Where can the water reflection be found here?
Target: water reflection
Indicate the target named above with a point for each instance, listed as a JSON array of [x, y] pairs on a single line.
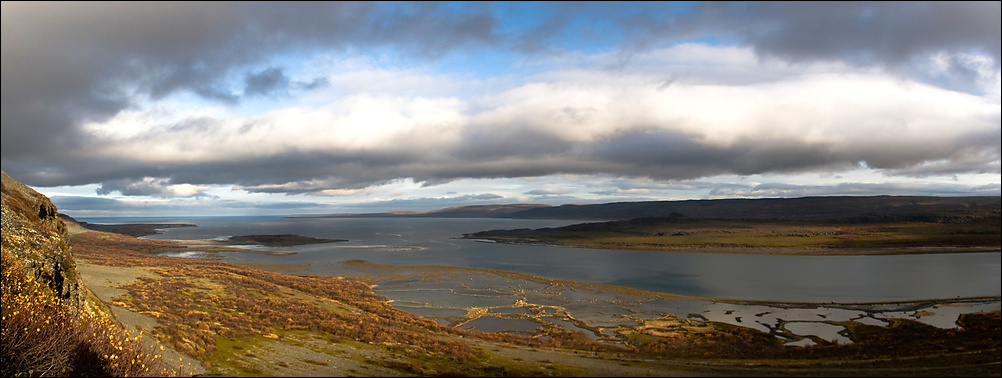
[[524, 302]]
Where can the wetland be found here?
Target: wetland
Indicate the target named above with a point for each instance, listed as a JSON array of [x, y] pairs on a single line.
[[426, 267], [671, 308]]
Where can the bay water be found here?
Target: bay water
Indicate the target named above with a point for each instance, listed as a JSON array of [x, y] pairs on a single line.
[[437, 242]]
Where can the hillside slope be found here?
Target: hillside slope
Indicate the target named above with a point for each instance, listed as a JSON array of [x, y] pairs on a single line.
[[53, 325], [35, 235]]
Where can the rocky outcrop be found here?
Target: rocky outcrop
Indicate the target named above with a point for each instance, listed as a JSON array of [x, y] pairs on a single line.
[[33, 232]]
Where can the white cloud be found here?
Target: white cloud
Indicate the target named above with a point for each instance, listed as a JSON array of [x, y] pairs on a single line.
[[560, 125]]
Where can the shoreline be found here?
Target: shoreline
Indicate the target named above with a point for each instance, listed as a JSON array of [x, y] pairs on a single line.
[[805, 251], [610, 309], [630, 290]]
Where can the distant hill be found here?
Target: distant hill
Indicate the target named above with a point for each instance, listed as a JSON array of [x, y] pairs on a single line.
[[805, 208], [131, 229]]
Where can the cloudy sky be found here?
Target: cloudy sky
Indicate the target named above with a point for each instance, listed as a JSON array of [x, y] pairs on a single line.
[[194, 108]]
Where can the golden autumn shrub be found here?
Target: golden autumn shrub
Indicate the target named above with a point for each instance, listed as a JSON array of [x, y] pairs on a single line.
[[43, 336]]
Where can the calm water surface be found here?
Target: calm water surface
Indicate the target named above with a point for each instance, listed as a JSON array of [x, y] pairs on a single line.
[[816, 279]]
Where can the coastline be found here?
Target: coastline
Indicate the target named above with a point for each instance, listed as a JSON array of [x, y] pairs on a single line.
[[808, 251]]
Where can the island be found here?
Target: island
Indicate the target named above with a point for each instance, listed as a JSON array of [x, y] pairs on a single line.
[[280, 240]]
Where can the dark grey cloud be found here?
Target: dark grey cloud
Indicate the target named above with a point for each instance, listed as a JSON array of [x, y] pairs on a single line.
[[491, 142], [858, 32], [894, 32], [266, 82], [65, 64], [218, 94], [897, 36], [657, 154]]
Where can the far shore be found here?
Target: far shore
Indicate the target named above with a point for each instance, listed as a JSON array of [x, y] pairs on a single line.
[[758, 250]]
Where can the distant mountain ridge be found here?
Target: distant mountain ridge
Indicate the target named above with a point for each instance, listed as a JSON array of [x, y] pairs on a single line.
[[474, 211], [803, 208]]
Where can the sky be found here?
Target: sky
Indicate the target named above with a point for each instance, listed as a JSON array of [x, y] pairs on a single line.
[[276, 108]]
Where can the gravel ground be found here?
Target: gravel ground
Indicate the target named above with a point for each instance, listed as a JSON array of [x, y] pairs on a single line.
[[105, 283], [307, 355], [312, 354]]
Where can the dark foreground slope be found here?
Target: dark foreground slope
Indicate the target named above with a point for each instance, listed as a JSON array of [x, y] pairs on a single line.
[[52, 324]]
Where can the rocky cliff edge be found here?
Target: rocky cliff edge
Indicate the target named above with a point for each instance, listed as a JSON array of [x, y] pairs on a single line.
[[33, 232]]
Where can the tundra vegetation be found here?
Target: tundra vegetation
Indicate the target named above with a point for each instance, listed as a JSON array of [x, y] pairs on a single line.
[[45, 336], [225, 315]]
